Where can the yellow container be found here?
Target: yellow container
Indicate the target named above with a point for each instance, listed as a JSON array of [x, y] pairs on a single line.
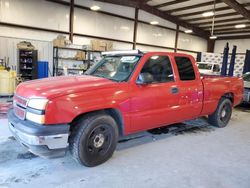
[[7, 82]]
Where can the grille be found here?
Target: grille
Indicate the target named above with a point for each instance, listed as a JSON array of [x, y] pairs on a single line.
[[20, 105]]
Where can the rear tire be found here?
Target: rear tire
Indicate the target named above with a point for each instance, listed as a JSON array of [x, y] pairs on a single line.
[[222, 115], [93, 139]]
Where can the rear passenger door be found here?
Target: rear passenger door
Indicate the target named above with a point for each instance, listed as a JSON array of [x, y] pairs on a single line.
[[190, 88]]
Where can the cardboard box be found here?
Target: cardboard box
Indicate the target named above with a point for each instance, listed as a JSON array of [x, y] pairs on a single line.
[[59, 43], [101, 45], [80, 55], [109, 46], [25, 45], [96, 45]]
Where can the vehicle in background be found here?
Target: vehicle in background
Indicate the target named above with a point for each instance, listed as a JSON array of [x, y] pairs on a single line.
[[126, 92], [208, 68], [246, 78]]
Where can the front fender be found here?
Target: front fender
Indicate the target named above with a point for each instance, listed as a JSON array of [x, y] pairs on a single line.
[[65, 109]]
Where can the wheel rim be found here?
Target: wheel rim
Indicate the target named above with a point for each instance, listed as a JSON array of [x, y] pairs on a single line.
[[225, 113], [99, 140]]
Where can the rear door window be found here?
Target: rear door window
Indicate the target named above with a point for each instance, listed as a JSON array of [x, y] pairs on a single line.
[[185, 68]]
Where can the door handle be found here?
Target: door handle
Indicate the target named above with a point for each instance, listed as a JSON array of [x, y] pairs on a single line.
[[174, 90]]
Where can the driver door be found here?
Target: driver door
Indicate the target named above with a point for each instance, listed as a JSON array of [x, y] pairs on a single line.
[[153, 104]]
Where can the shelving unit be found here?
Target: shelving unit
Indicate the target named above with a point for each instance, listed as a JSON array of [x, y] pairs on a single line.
[[64, 61], [27, 64]]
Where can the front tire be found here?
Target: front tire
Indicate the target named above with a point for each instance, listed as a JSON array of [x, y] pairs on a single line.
[[93, 139], [222, 115]]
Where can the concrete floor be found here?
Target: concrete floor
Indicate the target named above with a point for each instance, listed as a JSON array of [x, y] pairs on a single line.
[[193, 154]]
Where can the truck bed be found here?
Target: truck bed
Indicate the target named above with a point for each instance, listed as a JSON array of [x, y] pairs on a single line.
[[217, 86]]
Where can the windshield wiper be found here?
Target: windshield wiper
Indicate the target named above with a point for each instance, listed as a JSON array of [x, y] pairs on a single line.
[[102, 76], [98, 75]]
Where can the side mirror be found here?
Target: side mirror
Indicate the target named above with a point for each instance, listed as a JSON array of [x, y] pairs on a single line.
[[144, 78]]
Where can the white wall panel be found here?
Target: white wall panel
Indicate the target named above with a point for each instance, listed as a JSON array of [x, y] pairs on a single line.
[[122, 46], [191, 42], [115, 9], [147, 17], [38, 13], [242, 45], [152, 49], [27, 33], [97, 24], [116, 45], [150, 34]]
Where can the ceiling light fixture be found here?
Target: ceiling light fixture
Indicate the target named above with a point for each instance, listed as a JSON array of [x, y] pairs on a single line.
[[124, 28], [240, 26], [213, 37], [188, 31], [154, 22], [95, 8], [207, 14], [7, 4]]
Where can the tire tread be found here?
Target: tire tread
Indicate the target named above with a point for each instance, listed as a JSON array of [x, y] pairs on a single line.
[[213, 118], [78, 130]]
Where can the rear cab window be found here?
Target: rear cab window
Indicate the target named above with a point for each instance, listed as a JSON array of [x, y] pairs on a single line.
[[185, 68]]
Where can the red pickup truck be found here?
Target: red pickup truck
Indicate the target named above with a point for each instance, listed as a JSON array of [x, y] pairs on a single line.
[[124, 93]]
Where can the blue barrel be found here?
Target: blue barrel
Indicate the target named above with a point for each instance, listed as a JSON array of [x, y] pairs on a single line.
[[43, 69]]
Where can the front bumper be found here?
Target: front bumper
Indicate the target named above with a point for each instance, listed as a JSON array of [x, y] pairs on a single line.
[[43, 140]]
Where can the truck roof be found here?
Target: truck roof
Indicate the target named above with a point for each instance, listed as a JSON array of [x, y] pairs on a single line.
[[138, 52]]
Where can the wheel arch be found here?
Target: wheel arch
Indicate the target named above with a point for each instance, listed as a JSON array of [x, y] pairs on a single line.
[[114, 113], [229, 96]]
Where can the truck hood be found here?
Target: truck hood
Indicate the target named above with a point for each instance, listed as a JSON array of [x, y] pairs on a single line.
[[63, 85]]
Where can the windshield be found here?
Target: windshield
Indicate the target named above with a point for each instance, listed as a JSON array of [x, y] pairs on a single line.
[[246, 77], [117, 68], [205, 66]]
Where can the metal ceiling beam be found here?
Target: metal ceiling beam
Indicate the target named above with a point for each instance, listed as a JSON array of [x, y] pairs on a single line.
[[161, 14], [216, 10], [60, 2], [216, 16], [234, 37], [200, 12], [175, 20], [231, 32], [170, 3], [193, 6], [229, 29], [203, 24], [225, 25], [238, 8]]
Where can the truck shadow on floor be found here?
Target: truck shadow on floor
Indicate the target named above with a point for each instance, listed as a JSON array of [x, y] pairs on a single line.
[[14, 156], [243, 107], [10, 150], [196, 126]]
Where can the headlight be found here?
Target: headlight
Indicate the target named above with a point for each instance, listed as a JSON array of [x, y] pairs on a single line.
[[35, 117], [38, 104]]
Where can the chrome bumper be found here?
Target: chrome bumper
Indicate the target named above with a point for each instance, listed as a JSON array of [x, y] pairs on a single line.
[[52, 141], [47, 141]]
